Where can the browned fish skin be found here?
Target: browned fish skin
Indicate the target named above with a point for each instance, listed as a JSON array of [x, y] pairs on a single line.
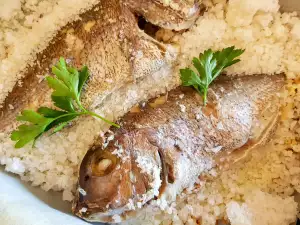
[[179, 128], [108, 40], [186, 12]]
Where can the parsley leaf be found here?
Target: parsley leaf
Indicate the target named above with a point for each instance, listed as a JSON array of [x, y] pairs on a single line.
[[83, 76], [64, 103], [209, 66], [50, 113], [27, 133], [67, 85]]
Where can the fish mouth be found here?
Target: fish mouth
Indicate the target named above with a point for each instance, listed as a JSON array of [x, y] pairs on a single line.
[[111, 183]]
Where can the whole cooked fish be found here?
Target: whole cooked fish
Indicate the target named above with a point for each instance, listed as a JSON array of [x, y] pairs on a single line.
[[108, 40], [163, 149]]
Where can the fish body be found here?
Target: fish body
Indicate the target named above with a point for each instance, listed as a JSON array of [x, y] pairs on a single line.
[[163, 149], [109, 41]]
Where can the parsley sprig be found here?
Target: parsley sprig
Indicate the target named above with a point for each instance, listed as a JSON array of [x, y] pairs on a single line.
[[67, 85], [209, 66]]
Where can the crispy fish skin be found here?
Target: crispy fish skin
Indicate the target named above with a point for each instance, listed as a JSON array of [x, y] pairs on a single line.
[[179, 132], [108, 40]]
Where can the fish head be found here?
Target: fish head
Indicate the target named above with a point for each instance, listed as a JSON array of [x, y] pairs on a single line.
[[111, 181], [169, 14]]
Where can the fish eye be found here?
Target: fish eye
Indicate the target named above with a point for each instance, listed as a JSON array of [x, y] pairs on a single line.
[[103, 163]]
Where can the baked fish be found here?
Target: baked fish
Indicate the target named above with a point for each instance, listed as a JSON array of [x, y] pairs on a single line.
[[163, 147], [109, 41]]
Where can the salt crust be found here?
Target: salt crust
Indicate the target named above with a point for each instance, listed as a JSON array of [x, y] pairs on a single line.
[[37, 21], [272, 45]]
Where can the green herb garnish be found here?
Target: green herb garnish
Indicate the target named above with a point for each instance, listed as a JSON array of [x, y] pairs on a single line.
[[67, 85], [209, 66]]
